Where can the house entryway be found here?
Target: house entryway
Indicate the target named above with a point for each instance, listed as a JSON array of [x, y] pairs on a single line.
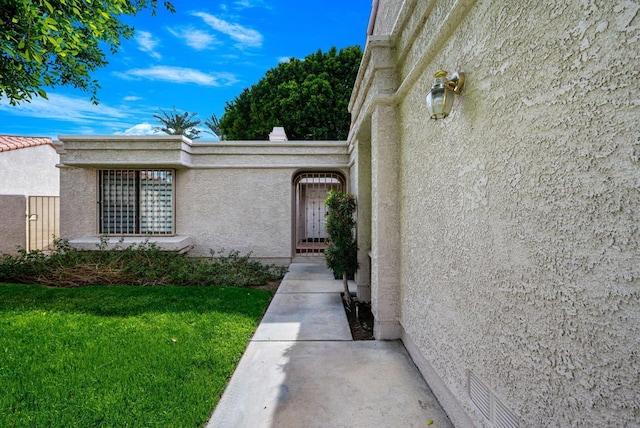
[[311, 189]]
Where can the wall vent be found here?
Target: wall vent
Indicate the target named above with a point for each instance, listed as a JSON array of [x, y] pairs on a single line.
[[503, 417], [489, 405]]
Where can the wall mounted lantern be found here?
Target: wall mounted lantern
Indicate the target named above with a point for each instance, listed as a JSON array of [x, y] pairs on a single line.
[[440, 98]]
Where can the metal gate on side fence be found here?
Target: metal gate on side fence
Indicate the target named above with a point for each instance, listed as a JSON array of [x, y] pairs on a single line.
[[43, 222], [311, 189]]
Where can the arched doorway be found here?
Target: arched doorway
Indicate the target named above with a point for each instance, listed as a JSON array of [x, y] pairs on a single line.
[[310, 191]]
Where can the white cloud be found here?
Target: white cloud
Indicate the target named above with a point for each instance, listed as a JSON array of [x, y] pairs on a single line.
[[180, 75], [251, 3], [197, 39], [140, 129], [64, 108], [132, 98], [283, 59], [147, 43], [246, 37]]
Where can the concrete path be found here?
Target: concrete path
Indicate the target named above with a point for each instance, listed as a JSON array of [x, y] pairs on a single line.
[[302, 368]]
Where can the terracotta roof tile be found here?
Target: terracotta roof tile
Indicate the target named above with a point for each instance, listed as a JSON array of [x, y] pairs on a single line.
[[14, 142]]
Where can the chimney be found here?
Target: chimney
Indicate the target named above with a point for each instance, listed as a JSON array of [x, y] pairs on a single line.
[[278, 134]]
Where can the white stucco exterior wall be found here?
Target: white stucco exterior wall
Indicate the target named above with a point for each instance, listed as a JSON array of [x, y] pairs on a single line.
[[228, 195], [78, 202], [13, 231], [519, 213], [249, 210], [30, 171]]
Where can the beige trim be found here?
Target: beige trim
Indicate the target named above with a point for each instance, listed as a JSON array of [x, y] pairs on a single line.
[[445, 397], [362, 102]]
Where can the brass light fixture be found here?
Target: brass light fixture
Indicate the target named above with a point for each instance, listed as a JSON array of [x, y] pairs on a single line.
[[440, 98]]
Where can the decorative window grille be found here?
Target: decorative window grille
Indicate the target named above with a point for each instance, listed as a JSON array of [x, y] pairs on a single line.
[[135, 202]]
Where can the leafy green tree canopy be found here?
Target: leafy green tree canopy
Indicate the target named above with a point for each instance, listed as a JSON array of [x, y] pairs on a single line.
[[49, 43], [308, 97]]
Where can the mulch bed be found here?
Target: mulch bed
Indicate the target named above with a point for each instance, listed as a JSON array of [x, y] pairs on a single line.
[[360, 320]]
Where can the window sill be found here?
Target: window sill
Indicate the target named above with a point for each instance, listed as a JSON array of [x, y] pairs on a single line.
[[166, 243]]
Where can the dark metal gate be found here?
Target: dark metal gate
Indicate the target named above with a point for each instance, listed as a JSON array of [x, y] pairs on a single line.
[[311, 189]]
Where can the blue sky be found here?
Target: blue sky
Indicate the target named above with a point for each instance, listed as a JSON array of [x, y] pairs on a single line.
[[196, 60]]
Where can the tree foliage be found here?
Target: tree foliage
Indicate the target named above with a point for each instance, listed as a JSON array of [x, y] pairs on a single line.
[[341, 253], [308, 97], [49, 43], [175, 123], [213, 123]]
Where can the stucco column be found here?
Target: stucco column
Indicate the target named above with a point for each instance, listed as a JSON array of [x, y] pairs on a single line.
[[385, 227], [361, 177]]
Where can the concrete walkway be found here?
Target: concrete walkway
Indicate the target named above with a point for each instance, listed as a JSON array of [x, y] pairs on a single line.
[[302, 369]]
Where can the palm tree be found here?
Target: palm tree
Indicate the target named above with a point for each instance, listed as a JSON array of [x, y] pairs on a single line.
[[214, 125], [175, 123]]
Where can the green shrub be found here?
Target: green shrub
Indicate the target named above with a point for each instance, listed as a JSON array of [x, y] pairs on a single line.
[[341, 253], [142, 264]]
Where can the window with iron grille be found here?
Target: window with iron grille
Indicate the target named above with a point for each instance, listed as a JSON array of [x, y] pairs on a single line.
[[135, 202]]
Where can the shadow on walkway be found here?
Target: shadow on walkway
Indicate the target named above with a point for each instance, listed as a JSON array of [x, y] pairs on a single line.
[[302, 368]]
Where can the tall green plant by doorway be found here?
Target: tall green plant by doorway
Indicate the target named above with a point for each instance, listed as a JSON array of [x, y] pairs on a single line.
[[341, 253]]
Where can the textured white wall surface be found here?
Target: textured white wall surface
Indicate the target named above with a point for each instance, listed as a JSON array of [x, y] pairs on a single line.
[[386, 16], [30, 171], [228, 195], [239, 209], [520, 257], [78, 202], [13, 232]]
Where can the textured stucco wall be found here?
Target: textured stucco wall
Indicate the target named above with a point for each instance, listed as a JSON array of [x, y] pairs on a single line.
[[231, 195], [520, 212], [244, 210], [360, 173], [78, 203], [375, 134], [385, 229], [30, 171], [13, 232], [386, 15]]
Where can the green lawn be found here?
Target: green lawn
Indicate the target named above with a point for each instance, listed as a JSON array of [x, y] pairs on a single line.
[[120, 356]]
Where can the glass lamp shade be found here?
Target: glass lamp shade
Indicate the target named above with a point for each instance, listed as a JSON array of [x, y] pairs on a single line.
[[440, 98]]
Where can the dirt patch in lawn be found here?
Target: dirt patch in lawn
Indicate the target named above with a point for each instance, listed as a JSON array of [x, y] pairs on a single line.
[[271, 286]]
